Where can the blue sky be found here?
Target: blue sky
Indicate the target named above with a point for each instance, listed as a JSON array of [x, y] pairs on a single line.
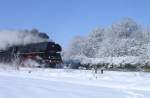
[[64, 19]]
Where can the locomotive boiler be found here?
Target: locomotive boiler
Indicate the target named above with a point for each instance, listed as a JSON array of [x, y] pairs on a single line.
[[44, 53]]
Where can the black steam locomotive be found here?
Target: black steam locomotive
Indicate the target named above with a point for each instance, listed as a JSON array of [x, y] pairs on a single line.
[[47, 53]]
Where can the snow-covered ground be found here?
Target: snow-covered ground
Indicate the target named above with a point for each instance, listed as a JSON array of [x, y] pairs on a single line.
[[65, 83]]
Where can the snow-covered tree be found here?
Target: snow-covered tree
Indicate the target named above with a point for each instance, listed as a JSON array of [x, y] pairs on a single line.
[[125, 38], [126, 28], [94, 41], [122, 36]]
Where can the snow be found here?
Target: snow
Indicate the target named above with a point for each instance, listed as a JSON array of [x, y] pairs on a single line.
[[67, 83]]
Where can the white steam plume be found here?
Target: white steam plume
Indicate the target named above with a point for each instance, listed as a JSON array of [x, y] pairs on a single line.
[[21, 37]]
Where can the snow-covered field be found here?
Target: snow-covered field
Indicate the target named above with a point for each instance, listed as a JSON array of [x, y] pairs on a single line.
[[65, 83]]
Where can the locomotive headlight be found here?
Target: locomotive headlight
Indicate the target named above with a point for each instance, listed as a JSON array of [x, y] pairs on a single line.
[[53, 45]]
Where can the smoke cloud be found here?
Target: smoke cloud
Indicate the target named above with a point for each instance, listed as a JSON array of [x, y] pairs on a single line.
[[21, 37]]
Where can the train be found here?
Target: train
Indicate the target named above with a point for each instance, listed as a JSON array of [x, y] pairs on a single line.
[[47, 54]]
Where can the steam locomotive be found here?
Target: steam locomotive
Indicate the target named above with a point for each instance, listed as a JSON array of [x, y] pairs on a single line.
[[45, 53]]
